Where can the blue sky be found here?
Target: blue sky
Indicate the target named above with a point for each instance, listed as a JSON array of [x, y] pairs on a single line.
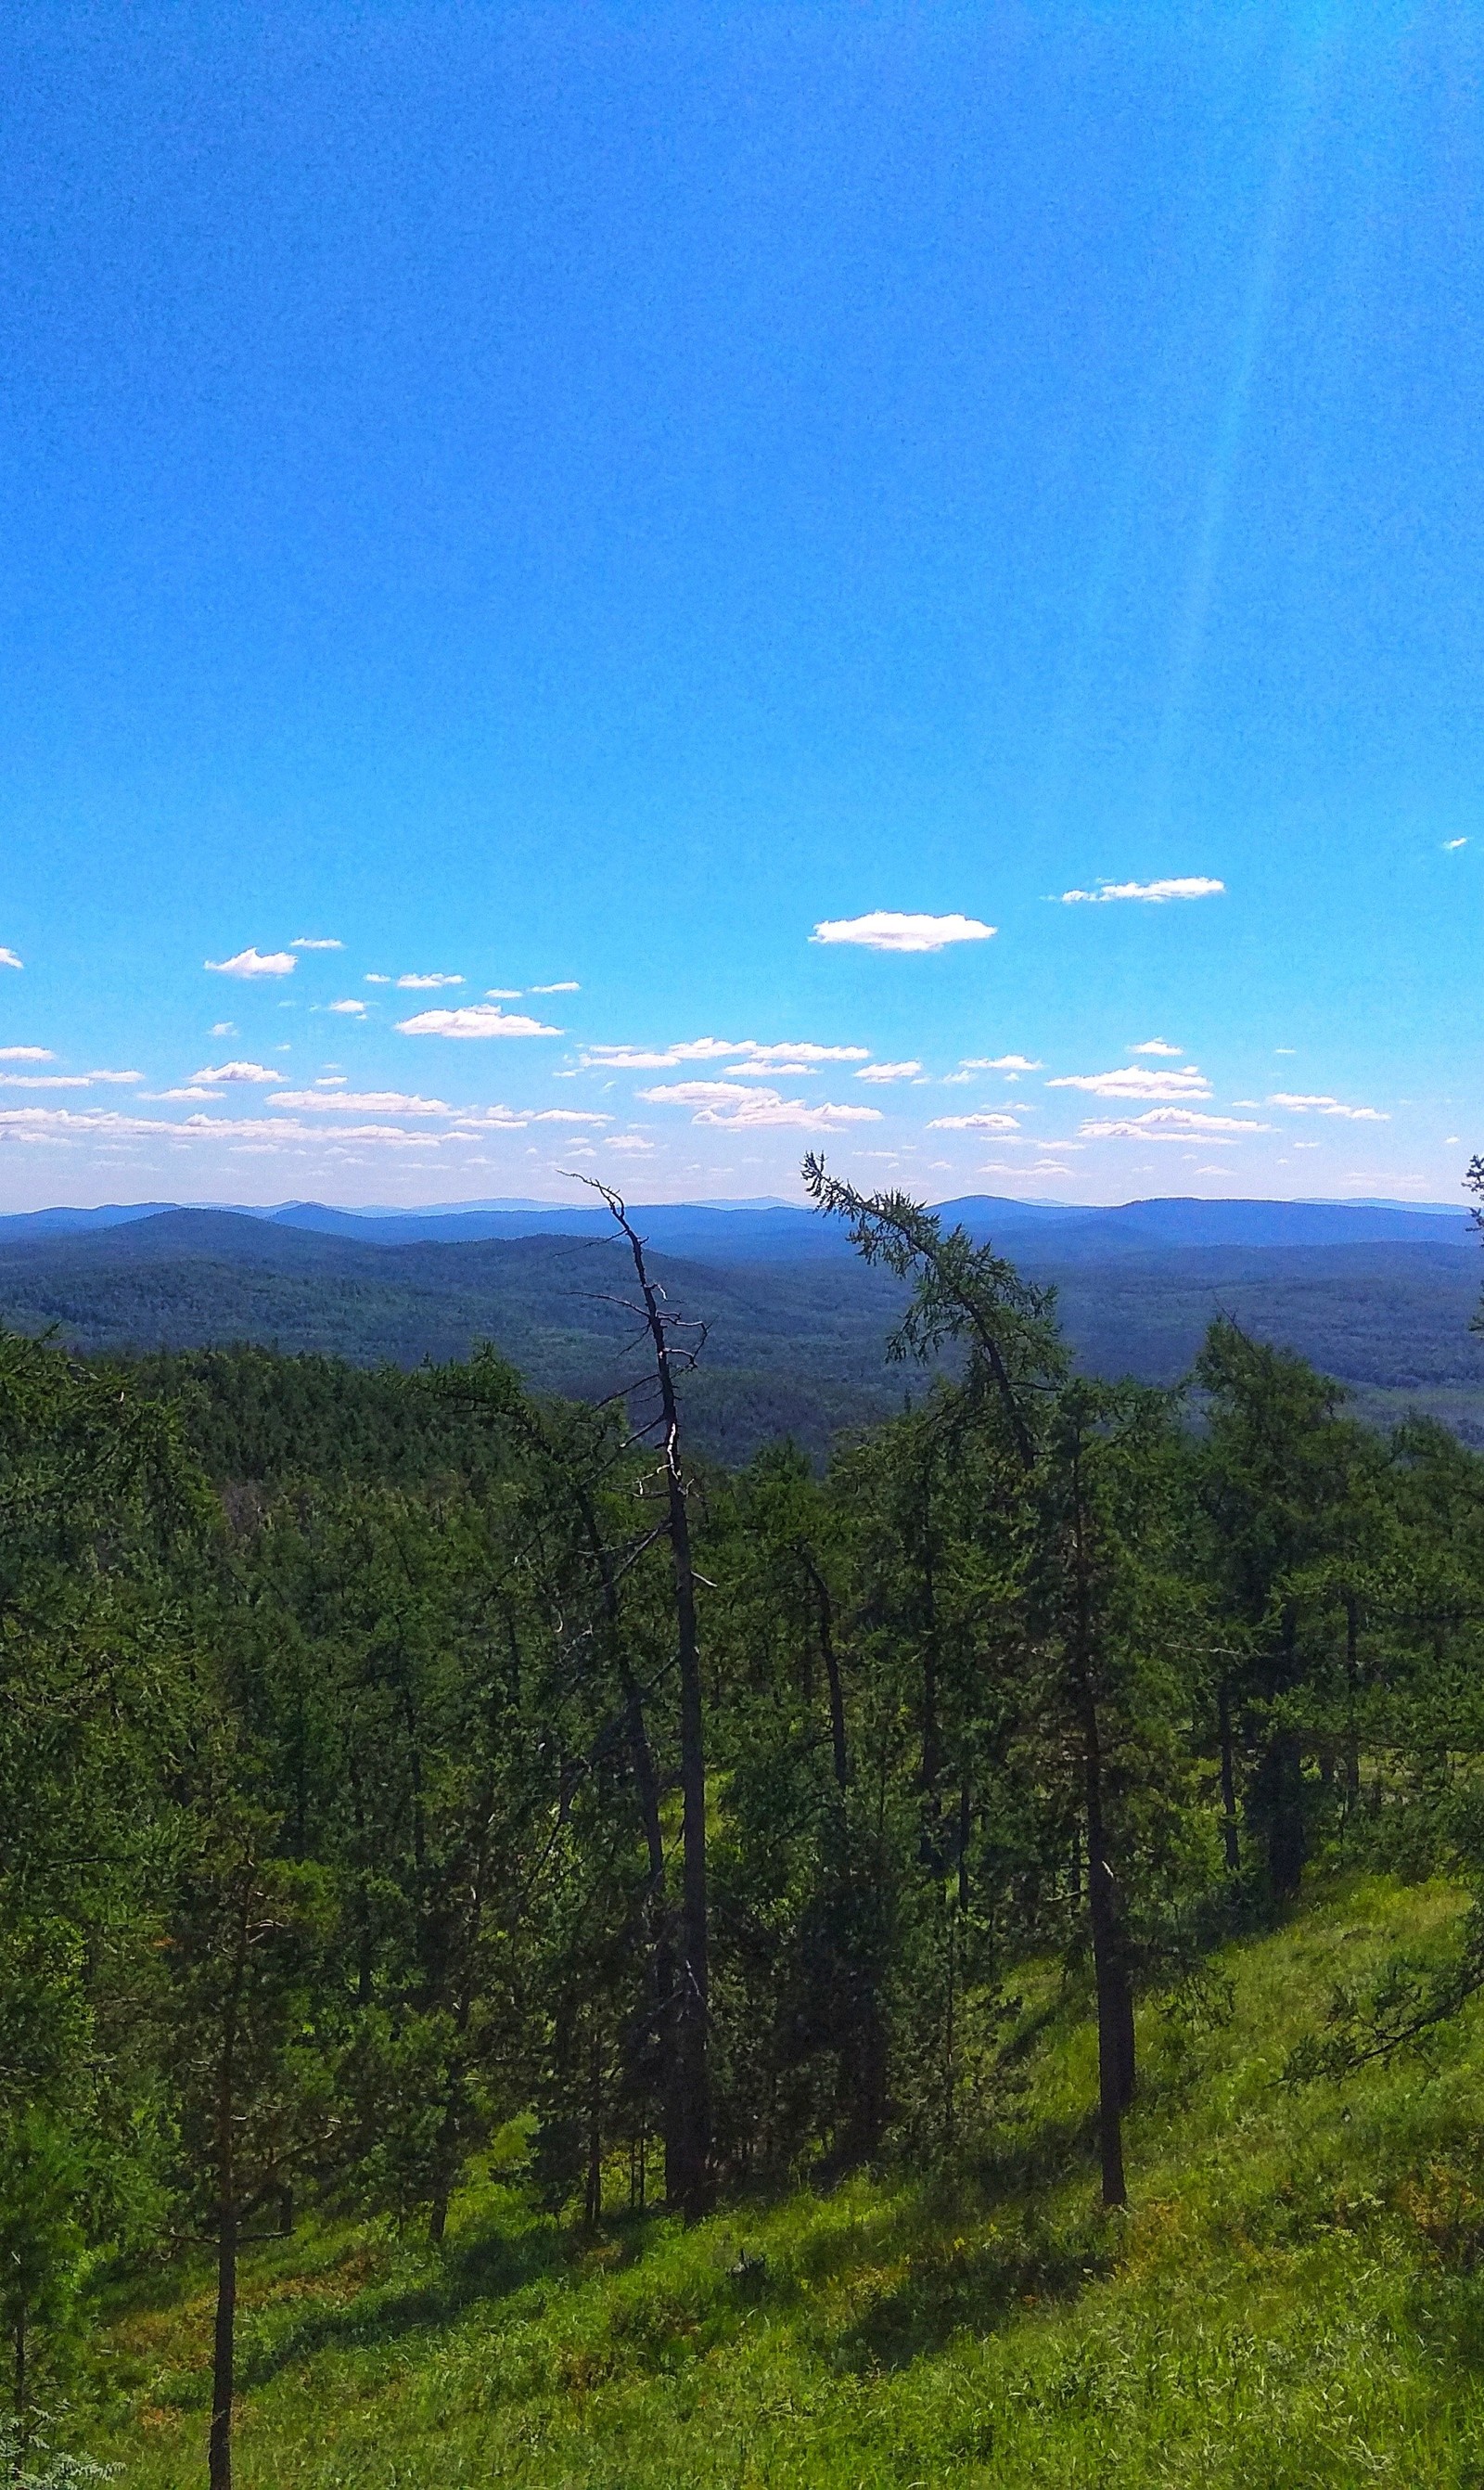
[[580, 499]]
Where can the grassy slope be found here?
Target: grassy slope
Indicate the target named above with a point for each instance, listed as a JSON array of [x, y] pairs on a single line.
[[1292, 2301]]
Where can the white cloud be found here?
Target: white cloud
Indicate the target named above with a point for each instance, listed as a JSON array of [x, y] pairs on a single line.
[[426, 985], [1042, 1166], [1450, 847], [195, 1093], [1156, 1046], [474, 1020], [798, 1050], [973, 1124], [9, 959], [26, 1055], [350, 1006], [222, 1029], [743, 1057], [361, 1102], [735, 1108], [255, 964], [504, 993], [567, 1115], [1137, 1081], [1168, 1124], [237, 1073], [630, 1142], [999, 1063], [1172, 887], [315, 942], [374, 977], [564, 986], [330, 1081], [65, 1080], [1298, 1105], [885, 929], [909, 1071]]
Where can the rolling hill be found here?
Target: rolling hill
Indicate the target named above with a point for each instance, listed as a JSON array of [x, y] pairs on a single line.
[[1379, 1297]]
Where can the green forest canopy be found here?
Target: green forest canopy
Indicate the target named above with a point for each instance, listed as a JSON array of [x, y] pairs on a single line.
[[366, 1787]]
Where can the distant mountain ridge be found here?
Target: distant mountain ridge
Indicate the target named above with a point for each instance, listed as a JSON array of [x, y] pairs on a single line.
[[776, 1231], [1379, 1297]]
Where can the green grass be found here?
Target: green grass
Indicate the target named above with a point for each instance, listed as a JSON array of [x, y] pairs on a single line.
[[1292, 2300]]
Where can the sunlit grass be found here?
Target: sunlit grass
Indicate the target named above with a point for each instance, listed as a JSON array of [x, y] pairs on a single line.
[[1291, 2301]]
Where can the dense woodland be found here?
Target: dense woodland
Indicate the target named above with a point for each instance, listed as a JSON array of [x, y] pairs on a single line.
[[395, 1761]]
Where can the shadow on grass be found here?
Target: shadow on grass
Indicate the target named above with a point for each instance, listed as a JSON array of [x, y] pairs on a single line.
[[491, 2266]]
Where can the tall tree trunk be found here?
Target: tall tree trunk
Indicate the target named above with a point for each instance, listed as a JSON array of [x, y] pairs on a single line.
[[224, 2335], [1351, 1695], [22, 2429], [831, 1660], [223, 2353], [1229, 1834], [1115, 2016], [690, 2186]]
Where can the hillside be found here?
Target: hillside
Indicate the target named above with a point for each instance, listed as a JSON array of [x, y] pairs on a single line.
[[795, 1345], [1293, 2298]]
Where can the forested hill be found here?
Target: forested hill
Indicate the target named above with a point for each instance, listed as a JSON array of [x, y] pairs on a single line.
[[1379, 1299], [528, 1959]]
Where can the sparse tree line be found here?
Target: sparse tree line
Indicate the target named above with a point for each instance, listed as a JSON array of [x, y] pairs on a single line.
[[386, 1757]]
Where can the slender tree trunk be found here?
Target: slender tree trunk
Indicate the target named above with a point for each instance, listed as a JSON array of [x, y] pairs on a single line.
[[1351, 1695], [1229, 1833], [689, 2183], [1113, 2070], [831, 1660], [223, 2356], [965, 1826], [592, 2205], [1115, 2020], [22, 2429]]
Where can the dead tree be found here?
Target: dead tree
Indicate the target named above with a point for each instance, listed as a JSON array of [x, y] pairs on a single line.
[[689, 2183]]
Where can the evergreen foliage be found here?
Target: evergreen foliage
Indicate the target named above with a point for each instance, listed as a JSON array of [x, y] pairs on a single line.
[[407, 1779]]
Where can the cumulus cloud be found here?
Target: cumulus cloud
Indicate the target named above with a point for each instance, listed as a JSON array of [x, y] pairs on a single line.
[[255, 964], [742, 1056], [1450, 847], [504, 993], [567, 1115], [886, 929], [908, 1071], [237, 1073], [973, 1124], [630, 1142], [360, 1102], [222, 1029], [564, 986], [315, 942], [1156, 1046], [9, 959], [732, 1107], [474, 1020], [376, 978], [26, 1055], [1172, 887], [1137, 1081], [1011, 1063], [350, 1006], [67, 1080], [425, 985], [1169, 1124], [1298, 1105], [195, 1093]]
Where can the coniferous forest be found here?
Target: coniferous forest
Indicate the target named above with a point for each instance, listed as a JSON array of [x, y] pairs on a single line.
[[469, 1868]]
